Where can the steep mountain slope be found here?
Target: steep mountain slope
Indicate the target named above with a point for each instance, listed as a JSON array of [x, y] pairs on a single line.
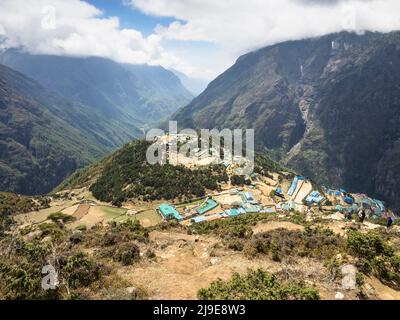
[[43, 137], [328, 106], [128, 93]]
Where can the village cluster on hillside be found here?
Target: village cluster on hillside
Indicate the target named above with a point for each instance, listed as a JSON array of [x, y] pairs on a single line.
[[266, 195], [276, 193], [273, 192]]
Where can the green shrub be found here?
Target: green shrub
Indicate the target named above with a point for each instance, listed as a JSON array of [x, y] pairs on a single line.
[[81, 228], [298, 218], [80, 271], [313, 242], [21, 271], [150, 254], [249, 250], [76, 237], [52, 229], [235, 244], [368, 246], [59, 216], [127, 254], [5, 224], [132, 230], [276, 253], [333, 265], [257, 285], [376, 256], [22, 281], [360, 279]]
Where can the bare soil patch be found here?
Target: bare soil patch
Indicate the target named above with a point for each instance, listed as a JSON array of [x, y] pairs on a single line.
[[273, 225], [82, 211]]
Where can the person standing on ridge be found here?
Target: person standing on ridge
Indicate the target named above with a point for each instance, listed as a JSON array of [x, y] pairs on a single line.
[[362, 215], [389, 222]]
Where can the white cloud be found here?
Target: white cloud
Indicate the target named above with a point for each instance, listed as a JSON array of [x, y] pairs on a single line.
[[75, 27], [231, 27], [239, 26]]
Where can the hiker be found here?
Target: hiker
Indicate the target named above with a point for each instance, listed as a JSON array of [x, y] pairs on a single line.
[[362, 215], [389, 222]]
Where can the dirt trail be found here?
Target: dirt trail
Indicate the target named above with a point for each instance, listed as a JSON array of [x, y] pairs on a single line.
[[187, 263], [183, 266], [383, 292], [342, 226], [339, 227]]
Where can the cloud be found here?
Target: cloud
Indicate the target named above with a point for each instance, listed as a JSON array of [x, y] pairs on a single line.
[[239, 26], [77, 28], [204, 39]]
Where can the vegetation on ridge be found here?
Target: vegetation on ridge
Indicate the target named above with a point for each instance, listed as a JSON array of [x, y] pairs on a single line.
[[257, 285], [129, 176]]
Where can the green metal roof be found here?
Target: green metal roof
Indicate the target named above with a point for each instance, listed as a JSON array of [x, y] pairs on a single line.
[[208, 206], [169, 211]]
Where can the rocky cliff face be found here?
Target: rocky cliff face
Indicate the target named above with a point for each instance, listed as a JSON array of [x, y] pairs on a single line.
[[329, 107]]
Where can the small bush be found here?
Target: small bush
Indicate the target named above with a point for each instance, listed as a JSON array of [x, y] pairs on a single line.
[[81, 228], [360, 279], [249, 250], [127, 254], [59, 216], [333, 265], [133, 229], [79, 271], [150, 254], [76, 237]]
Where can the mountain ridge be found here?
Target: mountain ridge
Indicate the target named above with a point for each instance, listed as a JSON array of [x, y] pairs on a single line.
[[139, 94], [43, 137]]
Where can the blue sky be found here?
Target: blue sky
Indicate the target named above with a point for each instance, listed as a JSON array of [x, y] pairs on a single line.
[[131, 18], [193, 51]]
